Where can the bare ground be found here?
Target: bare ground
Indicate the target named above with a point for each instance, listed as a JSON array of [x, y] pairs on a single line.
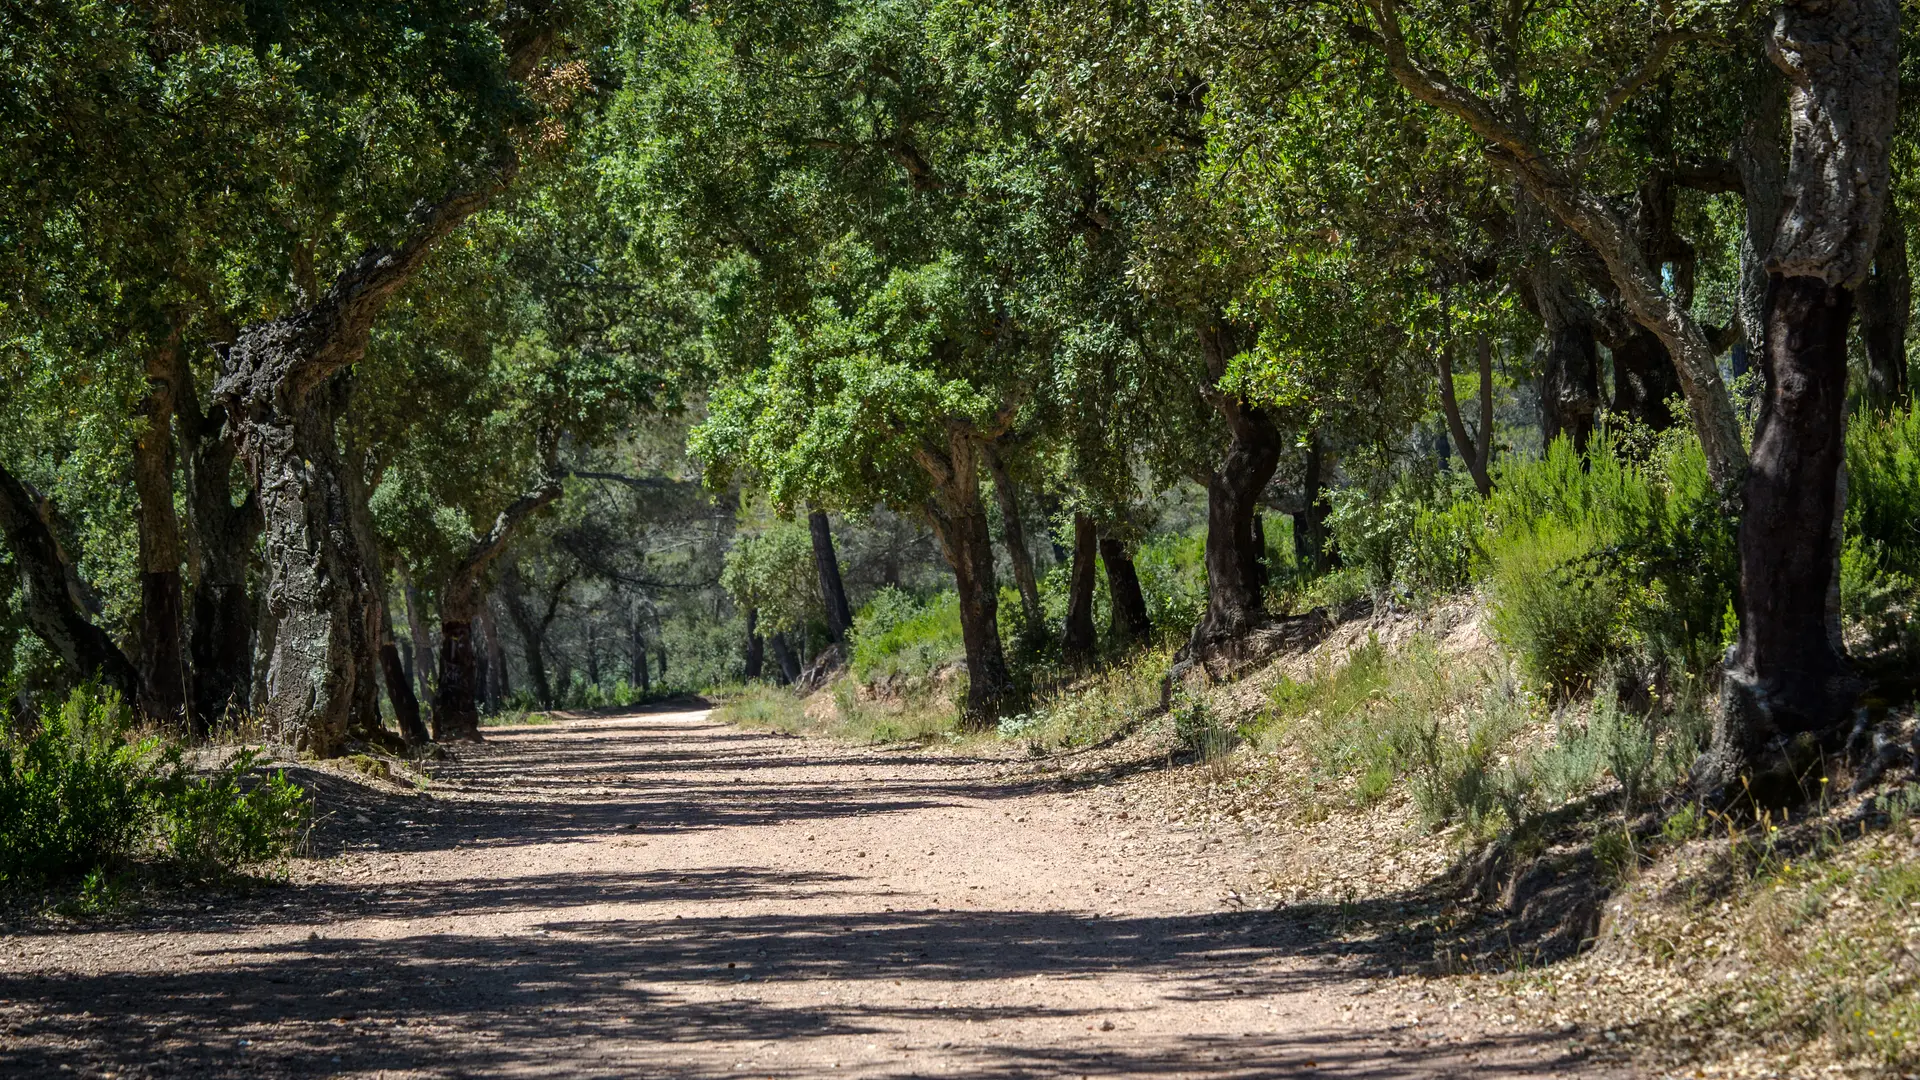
[[661, 895]]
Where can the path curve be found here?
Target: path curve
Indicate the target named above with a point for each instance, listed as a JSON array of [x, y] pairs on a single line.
[[660, 895]]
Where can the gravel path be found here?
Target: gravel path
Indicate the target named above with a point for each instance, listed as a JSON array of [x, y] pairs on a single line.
[[658, 895]]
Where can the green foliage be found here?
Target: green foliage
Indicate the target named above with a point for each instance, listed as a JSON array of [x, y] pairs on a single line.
[[1173, 578], [896, 635], [774, 571], [1418, 535], [1561, 623], [77, 794], [1095, 707], [1199, 730]]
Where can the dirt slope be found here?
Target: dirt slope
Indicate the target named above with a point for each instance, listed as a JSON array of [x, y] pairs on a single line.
[[660, 895]]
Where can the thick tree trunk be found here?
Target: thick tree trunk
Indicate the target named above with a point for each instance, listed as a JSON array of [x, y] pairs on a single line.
[[833, 591], [1077, 642], [1311, 551], [1130, 621], [1787, 675], [456, 712], [959, 522], [786, 663], [1761, 160], [161, 659], [368, 626], [1235, 600], [1568, 357], [47, 597], [1019, 556], [756, 645], [220, 621], [274, 383], [1886, 306]]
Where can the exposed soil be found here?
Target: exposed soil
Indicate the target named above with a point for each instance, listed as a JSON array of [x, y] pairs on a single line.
[[660, 895]]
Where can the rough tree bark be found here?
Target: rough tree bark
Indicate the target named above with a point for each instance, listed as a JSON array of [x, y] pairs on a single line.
[[220, 617], [959, 522], [1569, 360], [161, 657], [1235, 603], [1886, 306], [833, 590], [1019, 556], [1129, 620], [423, 661], [456, 712], [1476, 452], [787, 665], [274, 384], [1787, 676], [48, 599], [1077, 641]]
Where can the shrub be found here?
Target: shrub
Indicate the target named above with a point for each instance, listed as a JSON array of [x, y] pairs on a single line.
[[77, 794], [1554, 613], [895, 634], [1173, 578]]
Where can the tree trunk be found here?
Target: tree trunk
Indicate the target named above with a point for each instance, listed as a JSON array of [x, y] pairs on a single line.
[[1569, 359], [220, 620], [1475, 452], [1130, 621], [1886, 306], [456, 712], [423, 661], [1235, 600], [406, 707], [1762, 164], [533, 636], [1644, 379], [833, 591], [593, 654], [959, 522], [274, 383], [756, 646], [787, 665], [637, 673], [1019, 556], [1786, 675], [368, 626], [1077, 643], [1310, 534], [47, 597], [161, 658]]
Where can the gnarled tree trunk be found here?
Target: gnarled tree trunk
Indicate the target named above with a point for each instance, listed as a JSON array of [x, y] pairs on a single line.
[[959, 521], [48, 598], [787, 665], [1077, 641], [274, 384], [220, 617], [1787, 675], [1235, 603], [1569, 361]]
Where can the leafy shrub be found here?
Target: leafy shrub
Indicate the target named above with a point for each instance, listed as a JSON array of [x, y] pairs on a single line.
[[76, 794], [1556, 616], [1883, 487], [895, 634], [1173, 578], [1094, 707], [1199, 731], [1418, 534]]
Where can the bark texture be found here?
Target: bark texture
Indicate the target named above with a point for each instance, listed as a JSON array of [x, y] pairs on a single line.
[[275, 385], [220, 618], [47, 595], [959, 522], [1077, 641], [1787, 675], [1129, 621], [833, 589], [1569, 359], [1235, 604]]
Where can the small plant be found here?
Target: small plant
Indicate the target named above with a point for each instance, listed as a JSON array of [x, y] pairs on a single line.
[[1199, 731], [1613, 851], [214, 823], [1684, 824]]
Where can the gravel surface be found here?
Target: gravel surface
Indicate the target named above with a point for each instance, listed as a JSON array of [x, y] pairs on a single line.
[[659, 895]]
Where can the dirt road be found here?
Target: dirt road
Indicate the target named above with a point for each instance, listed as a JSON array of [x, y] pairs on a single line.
[[659, 895]]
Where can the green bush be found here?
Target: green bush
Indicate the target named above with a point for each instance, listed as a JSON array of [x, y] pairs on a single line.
[[895, 634], [77, 794], [1173, 578], [1557, 616], [1418, 535]]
